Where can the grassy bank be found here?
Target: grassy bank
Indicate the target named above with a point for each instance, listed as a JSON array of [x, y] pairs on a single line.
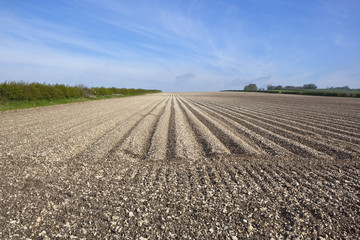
[[17, 95]]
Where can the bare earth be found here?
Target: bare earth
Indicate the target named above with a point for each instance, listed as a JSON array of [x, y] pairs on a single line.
[[182, 166]]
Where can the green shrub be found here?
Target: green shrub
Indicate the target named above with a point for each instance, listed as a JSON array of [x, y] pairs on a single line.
[[12, 91], [313, 93], [291, 92], [331, 94], [21, 91], [272, 91], [250, 88]]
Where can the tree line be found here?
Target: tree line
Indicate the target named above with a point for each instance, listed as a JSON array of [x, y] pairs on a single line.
[[22, 91], [306, 89], [253, 88], [279, 87]]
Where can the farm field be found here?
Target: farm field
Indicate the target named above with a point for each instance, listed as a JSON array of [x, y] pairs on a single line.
[[183, 166]]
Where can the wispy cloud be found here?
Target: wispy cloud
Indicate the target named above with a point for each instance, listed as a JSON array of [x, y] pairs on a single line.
[[162, 44], [337, 10], [184, 77]]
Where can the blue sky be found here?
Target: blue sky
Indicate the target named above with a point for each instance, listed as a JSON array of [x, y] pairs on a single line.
[[200, 45]]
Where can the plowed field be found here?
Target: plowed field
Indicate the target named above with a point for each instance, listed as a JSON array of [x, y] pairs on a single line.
[[182, 166]]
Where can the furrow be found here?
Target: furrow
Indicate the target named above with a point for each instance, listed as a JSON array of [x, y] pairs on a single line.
[[58, 124], [273, 144], [320, 125], [152, 174], [284, 113], [265, 144], [343, 173], [256, 184], [303, 194], [211, 145], [127, 146], [232, 174], [229, 138], [338, 123], [93, 119], [213, 177], [240, 173], [29, 120], [293, 146], [330, 182], [204, 181], [159, 140], [194, 183], [146, 177], [171, 134], [182, 187], [135, 178], [289, 123], [169, 180], [224, 184], [305, 140], [137, 143], [69, 143], [290, 194], [103, 145], [304, 197], [186, 144], [303, 129], [285, 117], [261, 180], [273, 184], [159, 181], [308, 112], [215, 185], [323, 194]]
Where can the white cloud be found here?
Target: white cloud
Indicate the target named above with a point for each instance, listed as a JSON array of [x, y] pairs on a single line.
[[138, 44]]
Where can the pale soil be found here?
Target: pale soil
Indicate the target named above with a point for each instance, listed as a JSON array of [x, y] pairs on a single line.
[[182, 166]]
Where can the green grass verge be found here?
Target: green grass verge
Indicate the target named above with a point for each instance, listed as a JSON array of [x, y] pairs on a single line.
[[12, 105]]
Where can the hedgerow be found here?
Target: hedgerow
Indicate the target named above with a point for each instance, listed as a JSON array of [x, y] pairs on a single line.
[[21, 91]]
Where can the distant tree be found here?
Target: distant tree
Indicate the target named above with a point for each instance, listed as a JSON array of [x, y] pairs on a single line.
[[270, 87], [250, 88], [310, 86]]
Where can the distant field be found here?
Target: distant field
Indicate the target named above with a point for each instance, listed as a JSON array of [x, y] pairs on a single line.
[[320, 92], [183, 166], [334, 90], [315, 92]]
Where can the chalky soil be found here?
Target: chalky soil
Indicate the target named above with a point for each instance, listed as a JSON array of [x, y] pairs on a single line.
[[182, 166]]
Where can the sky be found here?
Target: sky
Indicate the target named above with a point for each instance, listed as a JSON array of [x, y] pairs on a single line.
[[181, 45]]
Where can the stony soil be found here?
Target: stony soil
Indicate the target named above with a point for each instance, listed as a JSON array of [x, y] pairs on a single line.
[[182, 166]]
